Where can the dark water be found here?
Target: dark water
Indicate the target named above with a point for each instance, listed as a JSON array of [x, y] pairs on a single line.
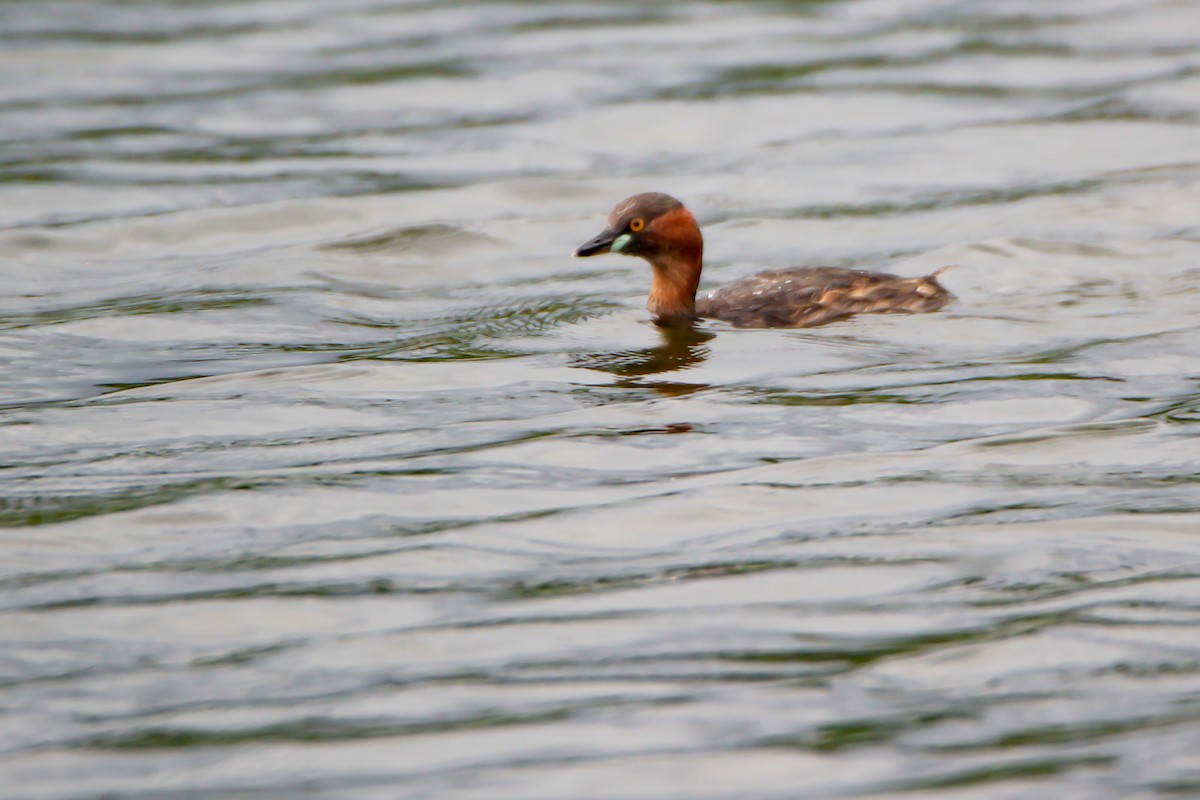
[[328, 473]]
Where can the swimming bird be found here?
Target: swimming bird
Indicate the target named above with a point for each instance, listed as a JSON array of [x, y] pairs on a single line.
[[660, 229]]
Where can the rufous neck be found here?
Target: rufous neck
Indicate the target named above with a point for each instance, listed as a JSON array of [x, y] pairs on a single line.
[[677, 269], [673, 294]]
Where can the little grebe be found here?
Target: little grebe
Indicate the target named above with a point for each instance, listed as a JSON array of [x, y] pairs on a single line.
[[660, 229]]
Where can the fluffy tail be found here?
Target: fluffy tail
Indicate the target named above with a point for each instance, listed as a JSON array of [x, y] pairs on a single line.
[[937, 272]]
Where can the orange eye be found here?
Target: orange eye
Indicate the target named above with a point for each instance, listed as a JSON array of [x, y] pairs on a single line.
[[636, 224]]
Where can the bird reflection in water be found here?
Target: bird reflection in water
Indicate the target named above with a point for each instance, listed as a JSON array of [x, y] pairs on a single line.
[[681, 348]]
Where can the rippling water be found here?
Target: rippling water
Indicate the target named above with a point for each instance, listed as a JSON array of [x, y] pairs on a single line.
[[329, 474]]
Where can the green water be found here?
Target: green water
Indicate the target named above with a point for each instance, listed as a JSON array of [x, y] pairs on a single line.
[[329, 474]]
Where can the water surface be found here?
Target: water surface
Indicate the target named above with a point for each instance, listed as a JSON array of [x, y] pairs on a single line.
[[329, 474]]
